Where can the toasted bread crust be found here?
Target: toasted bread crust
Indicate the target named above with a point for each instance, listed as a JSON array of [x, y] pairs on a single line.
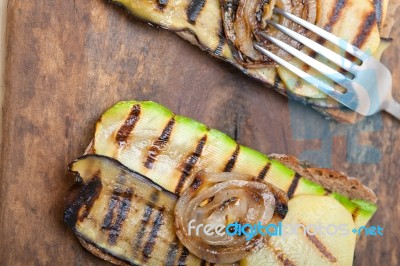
[[330, 179]]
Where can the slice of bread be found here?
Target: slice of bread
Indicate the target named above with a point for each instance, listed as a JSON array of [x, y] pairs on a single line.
[[332, 180]]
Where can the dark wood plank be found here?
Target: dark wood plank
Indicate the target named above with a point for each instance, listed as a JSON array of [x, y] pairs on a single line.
[[67, 61]]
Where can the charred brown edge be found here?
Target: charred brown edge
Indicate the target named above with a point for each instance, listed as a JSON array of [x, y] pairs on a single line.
[[88, 194], [103, 250], [264, 171], [293, 185], [124, 168], [232, 160], [204, 47], [159, 144], [190, 163], [178, 30], [321, 247], [151, 241], [370, 22], [119, 205], [194, 9], [129, 124]]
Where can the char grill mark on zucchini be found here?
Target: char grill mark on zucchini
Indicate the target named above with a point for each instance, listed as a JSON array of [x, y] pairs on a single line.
[[160, 144], [149, 246], [127, 127], [155, 196], [87, 196], [365, 29], [172, 253], [205, 32], [183, 257], [217, 152], [190, 163], [293, 186], [378, 12], [264, 171], [231, 162], [333, 19], [194, 9], [142, 230], [321, 247], [116, 214], [282, 257], [355, 213], [116, 183], [218, 51]]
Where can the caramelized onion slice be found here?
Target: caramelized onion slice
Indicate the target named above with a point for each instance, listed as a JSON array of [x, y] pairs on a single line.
[[243, 21], [225, 198]]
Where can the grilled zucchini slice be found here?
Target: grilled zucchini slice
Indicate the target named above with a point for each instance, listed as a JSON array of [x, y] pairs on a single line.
[[168, 149]]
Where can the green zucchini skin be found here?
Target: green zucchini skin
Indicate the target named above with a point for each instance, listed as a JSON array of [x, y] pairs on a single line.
[[169, 149]]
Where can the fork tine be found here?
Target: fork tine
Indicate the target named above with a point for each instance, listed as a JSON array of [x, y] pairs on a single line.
[[325, 88], [329, 54], [326, 35], [320, 67]]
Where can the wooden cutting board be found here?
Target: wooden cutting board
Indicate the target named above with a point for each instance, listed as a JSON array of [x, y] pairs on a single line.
[[68, 61]]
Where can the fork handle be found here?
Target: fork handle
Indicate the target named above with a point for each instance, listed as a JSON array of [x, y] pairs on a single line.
[[393, 108]]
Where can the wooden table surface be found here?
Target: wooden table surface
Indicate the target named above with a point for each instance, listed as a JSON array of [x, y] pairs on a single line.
[[68, 61], [3, 20]]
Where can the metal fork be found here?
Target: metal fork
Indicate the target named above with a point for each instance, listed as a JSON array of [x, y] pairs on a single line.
[[369, 92]]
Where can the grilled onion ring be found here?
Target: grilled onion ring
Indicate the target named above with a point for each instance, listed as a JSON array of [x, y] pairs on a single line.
[[221, 199], [243, 21]]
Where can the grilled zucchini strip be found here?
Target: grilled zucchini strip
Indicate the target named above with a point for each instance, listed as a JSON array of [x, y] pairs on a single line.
[[204, 23], [169, 149], [124, 214]]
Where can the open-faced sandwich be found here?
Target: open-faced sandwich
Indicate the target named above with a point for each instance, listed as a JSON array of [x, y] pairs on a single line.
[[228, 29], [155, 188]]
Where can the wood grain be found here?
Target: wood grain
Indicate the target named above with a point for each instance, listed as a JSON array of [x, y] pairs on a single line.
[[68, 61], [3, 20]]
